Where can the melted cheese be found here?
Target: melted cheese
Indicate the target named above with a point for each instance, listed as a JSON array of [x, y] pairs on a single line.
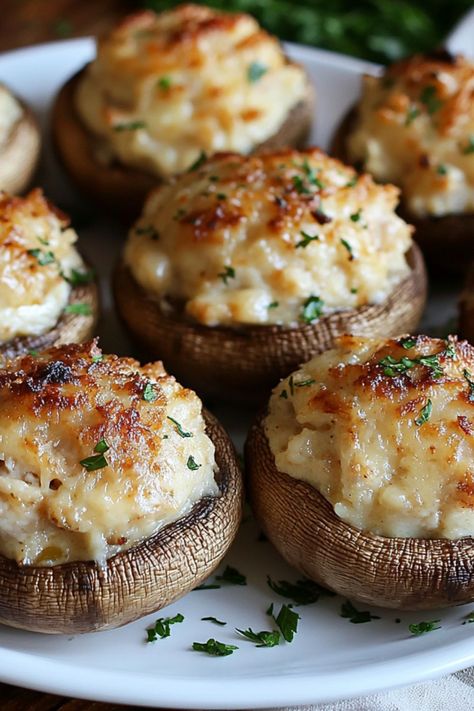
[[415, 128], [392, 452], [245, 240], [165, 87], [10, 113], [54, 411], [33, 295]]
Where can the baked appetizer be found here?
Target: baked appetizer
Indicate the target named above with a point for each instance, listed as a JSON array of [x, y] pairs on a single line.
[[164, 89], [117, 493], [360, 472], [240, 270], [47, 293], [19, 142], [414, 127]]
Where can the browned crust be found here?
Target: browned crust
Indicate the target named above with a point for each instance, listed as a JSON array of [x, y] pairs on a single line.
[[82, 597], [400, 573], [244, 364], [71, 328], [20, 155], [466, 307], [447, 242], [123, 189]]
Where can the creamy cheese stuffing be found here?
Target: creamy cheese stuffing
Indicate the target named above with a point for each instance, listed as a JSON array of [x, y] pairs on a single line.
[[10, 113], [97, 454], [276, 238], [385, 431], [37, 257], [164, 87], [415, 128]]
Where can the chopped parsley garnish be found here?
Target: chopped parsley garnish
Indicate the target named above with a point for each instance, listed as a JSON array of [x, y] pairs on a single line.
[[200, 160], [412, 114], [255, 71], [355, 217], [469, 148], [43, 258], [423, 627], [214, 620], [33, 352], [407, 342], [354, 290], [164, 83], [147, 230], [450, 350], [191, 463], [429, 98], [304, 383], [441, 169], [307, 239], [469, 618], [352, 182], [130, 126], [209, 586], [96, 461], [347, 246], [393, 367], [232, 576], [425, 413], [97, 358], [179, 429], [287, 621], [264, 638], [273, 305], [214, 648], [78, 309], [161, 628], [312, 309], [43, 241], [300, 186], [228, 273], [303, 592], [149, 393], [77, 278], [356, 616], [470, 382], [221, 196], [311, 175]]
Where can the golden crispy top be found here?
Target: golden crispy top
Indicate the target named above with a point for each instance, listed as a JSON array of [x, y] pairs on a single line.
[[249, 239]]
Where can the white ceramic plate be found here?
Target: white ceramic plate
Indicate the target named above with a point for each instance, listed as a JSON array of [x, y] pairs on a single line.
[[330, 658]]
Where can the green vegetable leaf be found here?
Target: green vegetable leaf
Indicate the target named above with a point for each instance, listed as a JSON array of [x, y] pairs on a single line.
[[287, 621], [274, 305], [214, 648], [356, 616], [312, 309], [441, 169], [191, 463], [429, 97], [303, 592], [228, 273], [469, 147], [425, 413], [161, 628], [304, 383], [213, 619], [78, 309], [101, 446], [346, 244], [311, 176], [307, 239], [355, 217], [94, 462], [77, 278], [264, 638], [393, 367], [299, 185], [164, 83], [423, 627], [179, 429], [407, 342], [232, 576], [43, 258], [200, 160], [255, 71], [149, 392]]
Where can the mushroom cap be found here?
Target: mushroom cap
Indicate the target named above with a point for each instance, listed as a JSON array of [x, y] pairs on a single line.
[[84, 597], [19, 156], [400, 573], [244, 363]]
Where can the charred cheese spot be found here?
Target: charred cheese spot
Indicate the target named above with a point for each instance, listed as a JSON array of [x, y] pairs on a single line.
[[290, 225], [415, 128], [392, 453], [164, 87], [68, 405], [36, 253]]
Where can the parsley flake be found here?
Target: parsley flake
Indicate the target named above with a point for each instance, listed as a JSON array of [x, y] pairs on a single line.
[[423, 627], [393, 367], [228, 273], [470, 382], [352, 182], [200, 160], [311, 175], [214, 620], [96, 461], [429, 98], [43, 258], [255, 71], [441, 169], [179, 429], [355, 217], [264, 638], [164, 83], [307, 239], [407, 342], [214, 648], [149, 393], [129, 126], [273, 305], [347, 246], [77, 278], [191, 463], [303, 592], [78, 309], [356, 616], [232, 576], [161, 628], [101, 446], [33, 352], [469, 148], [425, 413], [312, 309], [304, 383], [287, 620], [299, 185], [412, 113]]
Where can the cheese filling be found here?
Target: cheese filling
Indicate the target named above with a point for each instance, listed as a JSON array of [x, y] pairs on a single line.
[[37, 258], [385, 432], [96, 455], [279, 238], [415, 128], [165, 87]]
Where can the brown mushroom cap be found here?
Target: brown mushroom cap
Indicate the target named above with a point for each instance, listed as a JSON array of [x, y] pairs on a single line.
[[83, 597], [20, 154], [400, 573], [446, 240], [71, 328], [123, 189], [244, 364]]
